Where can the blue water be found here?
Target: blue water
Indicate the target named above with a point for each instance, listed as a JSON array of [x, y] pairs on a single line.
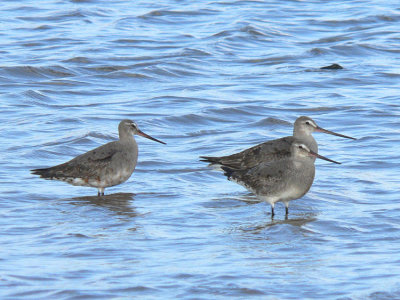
[[208, 78]]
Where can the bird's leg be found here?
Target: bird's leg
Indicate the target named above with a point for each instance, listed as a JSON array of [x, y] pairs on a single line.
[[272, 212], [100, 192], [286, 210]]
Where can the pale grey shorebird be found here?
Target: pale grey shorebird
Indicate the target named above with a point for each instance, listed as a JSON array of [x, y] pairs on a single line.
[[282, 180], [105, 166], [274, 149]]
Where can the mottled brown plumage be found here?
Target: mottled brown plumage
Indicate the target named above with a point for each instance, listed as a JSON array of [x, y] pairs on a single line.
[[268, 151], [105, 166], [281, 180], [272, 150]]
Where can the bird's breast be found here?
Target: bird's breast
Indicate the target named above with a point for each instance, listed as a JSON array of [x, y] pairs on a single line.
[[291, 192]]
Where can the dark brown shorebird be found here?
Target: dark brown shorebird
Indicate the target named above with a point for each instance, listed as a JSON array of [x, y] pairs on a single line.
[[274, 149], [105, 166], [282, 180]]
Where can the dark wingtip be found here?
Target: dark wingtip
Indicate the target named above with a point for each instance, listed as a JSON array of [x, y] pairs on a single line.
[[40, 172], [35, 171], [207, 159]]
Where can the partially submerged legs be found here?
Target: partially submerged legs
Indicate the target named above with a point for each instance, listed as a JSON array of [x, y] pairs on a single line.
[[286, 209], [100, 192]]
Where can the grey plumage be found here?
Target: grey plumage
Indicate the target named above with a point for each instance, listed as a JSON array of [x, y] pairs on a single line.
[[280, 180], [268, 151], [272, 150], [105, 166]]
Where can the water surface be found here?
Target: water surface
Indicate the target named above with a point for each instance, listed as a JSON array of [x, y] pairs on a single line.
[[208, 78]]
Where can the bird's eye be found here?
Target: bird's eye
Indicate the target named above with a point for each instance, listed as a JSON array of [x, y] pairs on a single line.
[[301, 147], [308, 123]]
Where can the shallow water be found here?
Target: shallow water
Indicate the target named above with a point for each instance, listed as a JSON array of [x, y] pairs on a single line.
[[208, 78]]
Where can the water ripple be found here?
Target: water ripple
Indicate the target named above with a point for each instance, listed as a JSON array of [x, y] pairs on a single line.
[[208, 78]]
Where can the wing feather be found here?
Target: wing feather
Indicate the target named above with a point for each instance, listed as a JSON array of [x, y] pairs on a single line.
[[266, 152]]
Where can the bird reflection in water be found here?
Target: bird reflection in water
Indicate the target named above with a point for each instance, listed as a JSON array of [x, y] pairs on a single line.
[[297, 222], [119, 203]]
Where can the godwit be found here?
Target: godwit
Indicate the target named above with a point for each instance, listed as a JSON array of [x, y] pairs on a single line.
[[274, 149], [105, 166], [282, 180]]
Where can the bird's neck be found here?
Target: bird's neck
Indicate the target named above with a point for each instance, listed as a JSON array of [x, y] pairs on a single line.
[[126, 137], [302, 163], [307, 139], [299, 133]]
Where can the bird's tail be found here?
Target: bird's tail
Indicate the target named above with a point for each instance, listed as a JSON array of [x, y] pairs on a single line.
[[43, 173], [213, 162], [210, 159]]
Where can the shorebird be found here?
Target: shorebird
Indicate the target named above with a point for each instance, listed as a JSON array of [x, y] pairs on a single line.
[[105, 166], [274, 149], [282, 180]]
